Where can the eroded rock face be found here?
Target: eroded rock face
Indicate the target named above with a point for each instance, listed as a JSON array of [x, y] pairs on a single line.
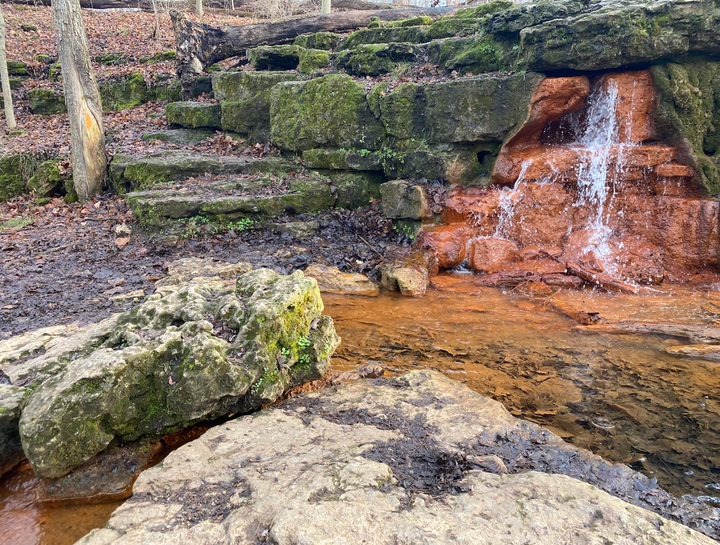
[[192, 351], [414, 459], [10, 449]]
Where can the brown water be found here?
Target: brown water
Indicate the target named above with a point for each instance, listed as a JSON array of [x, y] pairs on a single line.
[[619, 396]]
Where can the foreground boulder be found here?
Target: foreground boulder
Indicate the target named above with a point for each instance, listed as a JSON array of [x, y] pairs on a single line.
[[414, 459], [193, 351]]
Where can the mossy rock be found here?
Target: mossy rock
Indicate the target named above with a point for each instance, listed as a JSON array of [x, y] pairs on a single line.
[[404, 200], [485, 53], [331, 111], [163, 56], [194, 115], [48, 180], [484, 10], [477, 109], [447, 27], [45, 59], [619, 35], [341, 159], [245, 96], [166, 88], [376, 59], [125, 92], [320, 40], [164, 367], [16, 83], [313, 59], [11, 452], [17, 68], [515, 18], [385, 35], [688, 116], [112, 59], [420, 20], [355, 189], [55, 72], [12, 182], [46, 102], [275, 57]]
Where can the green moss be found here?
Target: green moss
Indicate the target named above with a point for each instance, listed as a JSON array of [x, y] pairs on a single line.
[[414, 21], [126, 92], [384, 35], [275, 57], [17, 68], [313, 59], [320, 40], [193, 115], [331, 111], [398, 111], [46, 102], [16, 223], [485, 9], [375, 59]]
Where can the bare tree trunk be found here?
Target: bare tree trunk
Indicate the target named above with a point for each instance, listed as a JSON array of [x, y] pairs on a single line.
[[199, 8], [325, 6], [156, 29], [7, 92], [82, 99]]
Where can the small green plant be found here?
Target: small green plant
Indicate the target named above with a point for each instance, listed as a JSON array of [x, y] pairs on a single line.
[[304, 342], [241, 224], [16, 223], [365, 152], [406, 230]]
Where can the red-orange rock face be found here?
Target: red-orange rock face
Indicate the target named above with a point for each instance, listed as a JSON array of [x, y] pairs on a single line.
[[653, 223]]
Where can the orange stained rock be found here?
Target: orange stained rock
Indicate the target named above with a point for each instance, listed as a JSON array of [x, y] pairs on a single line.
[[636, 101], [488, 255], [448, 242]]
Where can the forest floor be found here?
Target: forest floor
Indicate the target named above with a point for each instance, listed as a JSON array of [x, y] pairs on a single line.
[[63, 263]]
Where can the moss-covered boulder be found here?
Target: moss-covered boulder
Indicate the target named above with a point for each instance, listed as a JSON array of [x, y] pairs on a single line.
[[181, 137], [688, 116], [245, 101], [125, 92], [354, 189], [342, 159], [17, 68], [48, 179], [11, 453], [192, 352], [319, 40], [478, 109], [275, 57], [376, 59], [46, 102], [129, 173], [420, 20], [331, 111], [194, 115], [313, 59], [12, 181], [618, 34], [385, 35], [479, 54]]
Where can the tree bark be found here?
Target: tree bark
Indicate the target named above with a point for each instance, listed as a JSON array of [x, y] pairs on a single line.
[[82, 99], [199, 8], [325, 7], [200, 45], [156, 28], [5, 79]]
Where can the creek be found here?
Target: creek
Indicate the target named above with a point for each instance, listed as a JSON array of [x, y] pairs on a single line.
[[622, 397]]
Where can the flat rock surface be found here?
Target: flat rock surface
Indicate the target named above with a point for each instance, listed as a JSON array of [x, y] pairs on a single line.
[[413, 459]]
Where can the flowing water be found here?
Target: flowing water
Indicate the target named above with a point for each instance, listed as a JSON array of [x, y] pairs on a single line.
[[620, 396]]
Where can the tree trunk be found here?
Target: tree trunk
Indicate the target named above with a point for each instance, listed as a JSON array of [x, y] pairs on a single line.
[[156, 28], [82, 99], [200, 45], [325, 7], [199, 8], [5, 79]]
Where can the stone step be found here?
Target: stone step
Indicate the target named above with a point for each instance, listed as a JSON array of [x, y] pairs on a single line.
[[128, 173]]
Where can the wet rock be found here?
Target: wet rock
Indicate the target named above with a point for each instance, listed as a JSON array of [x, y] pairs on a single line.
[[688, 116], [403, 200], [11, 452], [448, 242], [488, 255], [421, 456], [190, 352], [332, 280], [194, 115], [410, 281], [301, 119], [275, 57]]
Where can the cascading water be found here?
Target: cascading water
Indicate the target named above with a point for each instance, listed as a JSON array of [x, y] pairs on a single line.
[[506, 203]]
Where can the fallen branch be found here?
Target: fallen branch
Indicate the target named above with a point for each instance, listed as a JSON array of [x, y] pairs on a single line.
[[580, 316], [200, 45], [604, 280], [696, 333]]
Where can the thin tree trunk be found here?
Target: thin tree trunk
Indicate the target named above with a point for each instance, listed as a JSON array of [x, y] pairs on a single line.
[[82, 99], [7, 92], [199, 8], [325, 6], [156, 29]]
